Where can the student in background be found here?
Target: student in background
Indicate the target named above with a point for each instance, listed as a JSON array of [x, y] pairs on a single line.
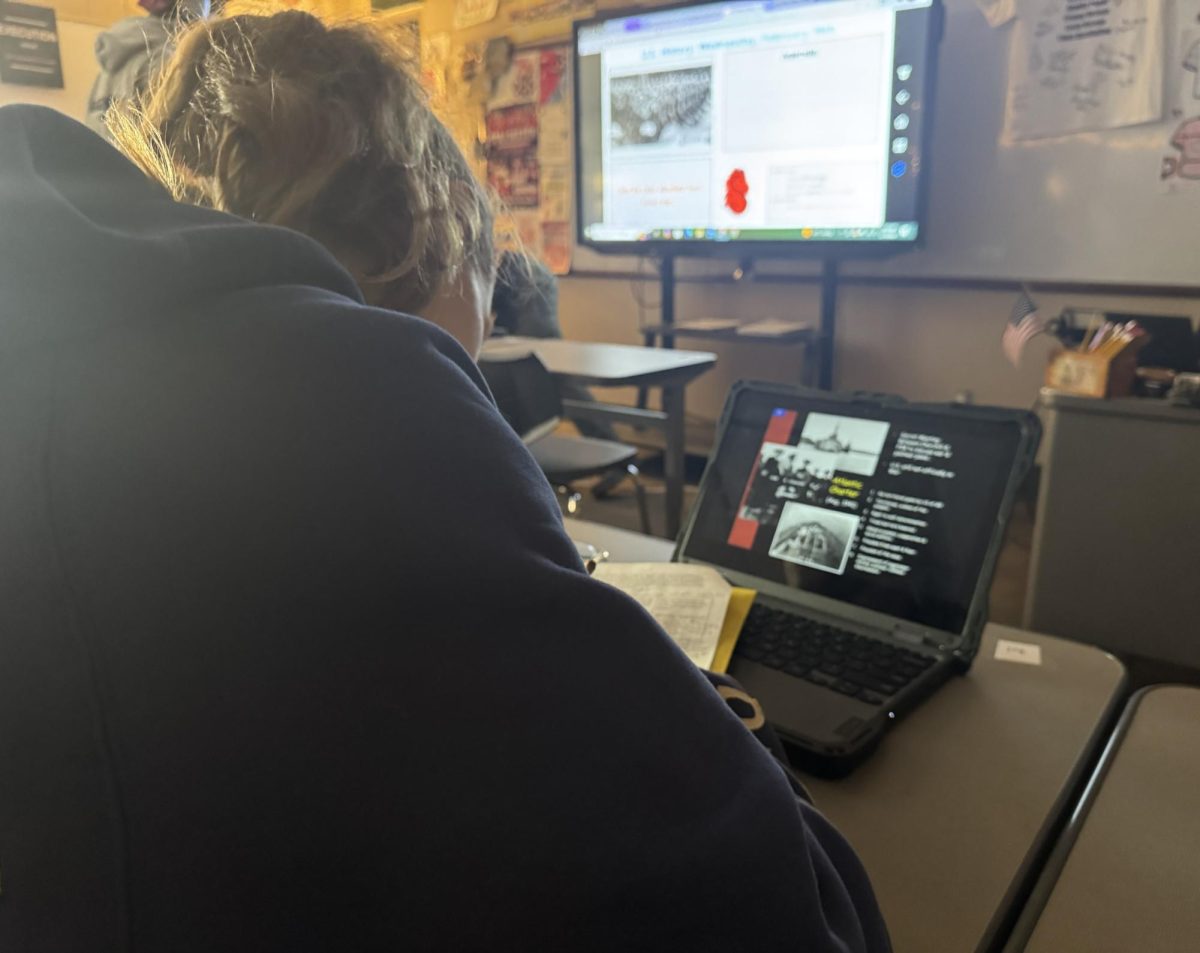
[[294, 651], [525, 304], [132, 51]]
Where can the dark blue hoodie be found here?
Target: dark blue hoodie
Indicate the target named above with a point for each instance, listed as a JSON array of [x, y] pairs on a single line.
[[294, 652]]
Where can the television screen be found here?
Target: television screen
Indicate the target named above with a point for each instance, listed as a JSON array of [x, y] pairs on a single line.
[[734, 126]]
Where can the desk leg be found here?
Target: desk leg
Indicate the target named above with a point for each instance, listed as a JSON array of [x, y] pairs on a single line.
[[674, 462], [809, 370], [648, 340]]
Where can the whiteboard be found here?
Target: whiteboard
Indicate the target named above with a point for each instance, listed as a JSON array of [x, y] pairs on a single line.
[[1086, 208], [1089, 208]]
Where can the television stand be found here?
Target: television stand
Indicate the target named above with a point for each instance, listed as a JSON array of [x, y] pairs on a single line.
[[818, 343]]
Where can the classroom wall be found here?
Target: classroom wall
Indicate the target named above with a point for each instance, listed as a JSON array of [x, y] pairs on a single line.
[[921, 343]]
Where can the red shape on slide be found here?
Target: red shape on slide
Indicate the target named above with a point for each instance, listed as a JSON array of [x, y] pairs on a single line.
[[736, 188], [742, 533], [780, 426], [779, 430]]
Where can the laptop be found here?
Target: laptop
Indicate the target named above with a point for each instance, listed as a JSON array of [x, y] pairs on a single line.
[[870, 529]]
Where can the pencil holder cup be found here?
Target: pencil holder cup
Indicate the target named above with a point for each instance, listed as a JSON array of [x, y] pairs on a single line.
[[1092, 375]]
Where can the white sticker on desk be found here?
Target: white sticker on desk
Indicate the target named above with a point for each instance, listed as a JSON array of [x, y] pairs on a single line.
[[1025, 653]]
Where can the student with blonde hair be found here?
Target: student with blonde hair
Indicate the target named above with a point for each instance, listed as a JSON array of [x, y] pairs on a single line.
[[294, 651], [284, 121]]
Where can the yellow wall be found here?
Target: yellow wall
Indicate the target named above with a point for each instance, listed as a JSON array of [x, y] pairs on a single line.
[[95, 12]]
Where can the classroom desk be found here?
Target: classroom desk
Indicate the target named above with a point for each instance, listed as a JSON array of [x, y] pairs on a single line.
[[622, 545], [952, 812], [619, 365], [1125, 875]]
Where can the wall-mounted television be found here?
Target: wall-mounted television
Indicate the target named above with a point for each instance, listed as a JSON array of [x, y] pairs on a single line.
[[755, 127]]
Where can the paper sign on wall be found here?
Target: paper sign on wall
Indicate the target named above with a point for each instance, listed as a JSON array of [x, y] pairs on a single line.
[[1081, 65], [29, 53], [1181, 157], [435, 61], [556, 246], [521, 83], [556, 193], [541, 10], [469, 13]]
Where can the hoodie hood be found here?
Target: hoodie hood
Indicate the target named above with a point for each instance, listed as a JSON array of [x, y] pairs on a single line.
[[80, 224], [140, 36]]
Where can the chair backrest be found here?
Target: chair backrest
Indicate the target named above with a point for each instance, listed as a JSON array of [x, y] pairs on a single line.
[[525, 392]]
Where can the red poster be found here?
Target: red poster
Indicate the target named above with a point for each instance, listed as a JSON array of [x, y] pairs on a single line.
[[512, 155], [554, 68]]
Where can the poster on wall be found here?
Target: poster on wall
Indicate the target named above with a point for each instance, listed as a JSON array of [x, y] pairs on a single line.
[[556, 246], [29, 54], [541, 10], [512, 161], [403, 21], [554, 108], [1180, 167], [519, 84], [555, 182], [1181, 161], [469, 13], [435, 62], [554, 154], [529, 152], [1084, 65]]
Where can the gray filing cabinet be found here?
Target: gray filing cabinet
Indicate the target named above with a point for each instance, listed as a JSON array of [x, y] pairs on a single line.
[[1116, 549]]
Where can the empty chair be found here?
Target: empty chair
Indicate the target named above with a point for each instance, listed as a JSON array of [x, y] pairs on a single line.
[[529, 400]]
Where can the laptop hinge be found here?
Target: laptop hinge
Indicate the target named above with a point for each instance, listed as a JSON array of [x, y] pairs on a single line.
[[916, 635]]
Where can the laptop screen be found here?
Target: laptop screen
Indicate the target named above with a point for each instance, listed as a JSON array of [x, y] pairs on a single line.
[[891, 509]]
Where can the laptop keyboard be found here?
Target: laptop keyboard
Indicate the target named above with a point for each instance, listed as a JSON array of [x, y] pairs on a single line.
[[857, 665]]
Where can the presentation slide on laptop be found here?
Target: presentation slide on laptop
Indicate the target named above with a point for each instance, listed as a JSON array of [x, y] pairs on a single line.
[[813, 499], [892, 514]]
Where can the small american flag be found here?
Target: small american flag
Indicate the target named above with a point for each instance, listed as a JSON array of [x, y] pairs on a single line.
[[1024, 324]]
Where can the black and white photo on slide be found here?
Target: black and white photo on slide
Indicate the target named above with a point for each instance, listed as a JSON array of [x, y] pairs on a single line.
[[843, 444], [816, 537], [665, 108]]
